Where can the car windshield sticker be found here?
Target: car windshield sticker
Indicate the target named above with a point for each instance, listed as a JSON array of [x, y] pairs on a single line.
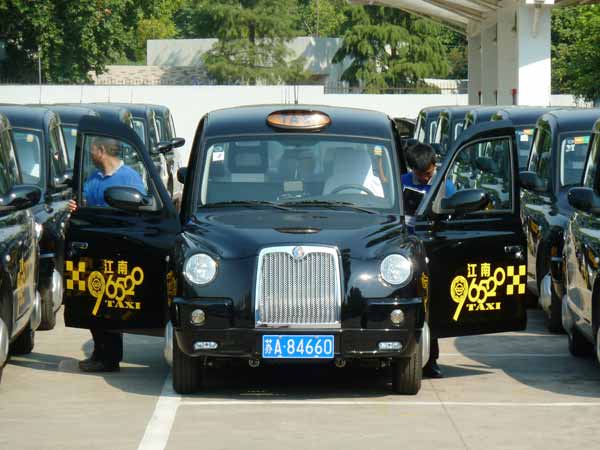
[[114, 290], [524, 138], [581, 140], [482, 283]]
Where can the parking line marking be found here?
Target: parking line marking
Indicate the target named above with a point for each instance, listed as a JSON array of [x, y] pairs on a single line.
[[379, 403], [159, 427], [509, 355]]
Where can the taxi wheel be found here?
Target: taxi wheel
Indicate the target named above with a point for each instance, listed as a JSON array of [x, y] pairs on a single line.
[[554, 319], [187, 371], [48, 317], [24, 344], [407, 374], [578, 344]]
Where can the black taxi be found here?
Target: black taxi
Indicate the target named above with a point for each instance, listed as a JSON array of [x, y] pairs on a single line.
[[426, 125], [581, 259], [556, 164], [20, 302], [42, 157], [291, 245]]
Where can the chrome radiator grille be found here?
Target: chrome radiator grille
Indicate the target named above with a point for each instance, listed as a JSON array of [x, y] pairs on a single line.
[[298, 287]]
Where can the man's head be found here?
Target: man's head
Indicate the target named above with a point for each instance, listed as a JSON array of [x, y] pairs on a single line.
[[421, 159], [104, 152]]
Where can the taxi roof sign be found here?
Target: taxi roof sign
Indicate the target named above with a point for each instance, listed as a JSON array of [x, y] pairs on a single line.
[[296, 119]]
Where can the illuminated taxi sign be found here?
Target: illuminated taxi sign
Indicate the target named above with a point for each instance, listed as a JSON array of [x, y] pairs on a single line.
[[298, 120]]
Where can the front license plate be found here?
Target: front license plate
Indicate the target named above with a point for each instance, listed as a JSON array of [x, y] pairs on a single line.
[[297, 347]]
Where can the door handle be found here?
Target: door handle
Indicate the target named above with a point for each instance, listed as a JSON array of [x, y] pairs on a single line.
[[79, 245], [516, 251]]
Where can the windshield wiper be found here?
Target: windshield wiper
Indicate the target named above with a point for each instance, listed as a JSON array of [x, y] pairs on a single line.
[[246, 203], [329, 205]]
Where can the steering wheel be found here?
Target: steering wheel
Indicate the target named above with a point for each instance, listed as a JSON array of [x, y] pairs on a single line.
[[359, 187]]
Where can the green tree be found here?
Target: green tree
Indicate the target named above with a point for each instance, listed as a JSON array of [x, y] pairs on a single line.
[[73, 38], [391, 48], [321, 17], [575, 57], [252, 37]]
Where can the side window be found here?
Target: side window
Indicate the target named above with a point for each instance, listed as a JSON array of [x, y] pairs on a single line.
[[442, 131], [109, 162], [29, 153], [420, 128], [573, 152], [484, 165], [57, 153], [589, 176], [8, 177], [458, 128], [541, 152]]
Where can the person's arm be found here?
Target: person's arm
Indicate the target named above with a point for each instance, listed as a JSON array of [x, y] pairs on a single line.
[[450, 188]]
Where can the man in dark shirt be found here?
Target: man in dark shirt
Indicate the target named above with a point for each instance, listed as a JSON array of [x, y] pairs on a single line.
[[421, 159], [110, 171]]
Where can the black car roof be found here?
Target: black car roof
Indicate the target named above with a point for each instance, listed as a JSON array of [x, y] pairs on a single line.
[[524, 115], [108, 110], [566, 120], [454, 111], [483, 113], [71, 114], [36, 117], [253, 120], [136, 109]]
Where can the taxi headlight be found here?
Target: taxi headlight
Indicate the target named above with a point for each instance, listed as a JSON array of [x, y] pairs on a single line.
[[200, 269], [396, 269]]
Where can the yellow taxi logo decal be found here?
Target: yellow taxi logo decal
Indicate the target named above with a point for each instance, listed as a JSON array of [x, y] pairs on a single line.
[[481, 284], [115, 290]]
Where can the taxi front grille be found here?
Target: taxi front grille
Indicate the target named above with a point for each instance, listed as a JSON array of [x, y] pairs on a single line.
[[298, 286]]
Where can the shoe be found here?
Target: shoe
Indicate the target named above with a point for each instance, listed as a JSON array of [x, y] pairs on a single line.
[[91, 365], [432, 370]]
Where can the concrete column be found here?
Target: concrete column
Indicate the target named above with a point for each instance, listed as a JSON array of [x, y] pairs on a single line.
[[489, 63], [507, 53], [533, 42], [474, 57]]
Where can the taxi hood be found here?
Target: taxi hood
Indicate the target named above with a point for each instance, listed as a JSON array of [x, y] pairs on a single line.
[[243, 233]]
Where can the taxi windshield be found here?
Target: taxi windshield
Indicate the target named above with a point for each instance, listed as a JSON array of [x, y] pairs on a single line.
[[573, 152], [28, 145], [140, 129], [524, 137], [299, 170]]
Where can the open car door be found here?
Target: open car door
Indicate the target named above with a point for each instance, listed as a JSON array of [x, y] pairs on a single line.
[[120, 236], [473, 238]]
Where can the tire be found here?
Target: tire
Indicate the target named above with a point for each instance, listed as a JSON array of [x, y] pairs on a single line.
[[407, 374], [187, 371], [48, 315], [578, 344], [24, 344], [554, 319]]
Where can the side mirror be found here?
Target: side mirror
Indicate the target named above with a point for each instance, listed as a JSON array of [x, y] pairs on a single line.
[[532, 182], [584, 199], [466, 200], [181, 174], [21, 196], [128, 198], [164, 147], [177, 142]]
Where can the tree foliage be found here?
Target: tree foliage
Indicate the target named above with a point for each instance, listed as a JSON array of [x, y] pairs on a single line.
[[391, 48], [575, 55], [252, 37], [321, 18]]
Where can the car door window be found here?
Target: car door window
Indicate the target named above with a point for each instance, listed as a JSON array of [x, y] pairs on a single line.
[[140, 128], [29, 151], [541, 153], [484, 165], [524, 137], [109, 162], [8, 175], [57, 153], [443, 131]]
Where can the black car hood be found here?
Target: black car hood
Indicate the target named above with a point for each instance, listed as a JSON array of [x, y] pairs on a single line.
[[243, 233]]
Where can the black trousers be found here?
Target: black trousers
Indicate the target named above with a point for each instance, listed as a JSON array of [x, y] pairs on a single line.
[[434, 350], [108, 346]]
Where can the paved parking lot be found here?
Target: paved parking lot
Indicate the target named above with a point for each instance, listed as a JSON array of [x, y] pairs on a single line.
[[513, 390]]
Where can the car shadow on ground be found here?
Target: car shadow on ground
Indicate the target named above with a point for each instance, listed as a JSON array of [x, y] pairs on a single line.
[[541, 360]]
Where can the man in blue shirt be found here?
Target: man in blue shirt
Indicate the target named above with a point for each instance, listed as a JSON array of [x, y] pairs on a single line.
[[421, 159], [110, 171]]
